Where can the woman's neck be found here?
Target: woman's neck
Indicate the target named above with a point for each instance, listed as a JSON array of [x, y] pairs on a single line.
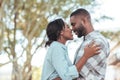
[[62, 41]]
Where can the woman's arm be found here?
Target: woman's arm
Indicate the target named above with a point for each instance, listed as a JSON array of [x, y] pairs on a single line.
[[89, 51], [62, 65]]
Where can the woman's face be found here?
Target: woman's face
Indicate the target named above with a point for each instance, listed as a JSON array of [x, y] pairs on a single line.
[[67, 33]]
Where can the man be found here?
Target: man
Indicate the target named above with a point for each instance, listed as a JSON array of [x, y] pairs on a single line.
[[95, 67]]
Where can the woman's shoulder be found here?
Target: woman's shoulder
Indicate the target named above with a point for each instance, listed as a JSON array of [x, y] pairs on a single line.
[[57, 45]]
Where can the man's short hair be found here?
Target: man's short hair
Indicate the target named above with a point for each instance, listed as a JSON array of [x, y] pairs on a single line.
[[81, 12]]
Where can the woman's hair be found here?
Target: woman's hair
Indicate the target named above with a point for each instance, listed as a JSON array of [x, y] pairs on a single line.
[[53, 30]]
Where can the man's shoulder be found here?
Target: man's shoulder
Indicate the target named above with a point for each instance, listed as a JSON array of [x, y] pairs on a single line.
[[97, 37], [100, 38]]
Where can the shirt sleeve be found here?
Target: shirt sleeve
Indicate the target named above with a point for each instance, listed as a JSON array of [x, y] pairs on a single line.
[[97, 64], [60, 62]]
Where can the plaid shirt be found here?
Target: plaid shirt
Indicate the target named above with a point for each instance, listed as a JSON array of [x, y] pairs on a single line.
[[95, 67]]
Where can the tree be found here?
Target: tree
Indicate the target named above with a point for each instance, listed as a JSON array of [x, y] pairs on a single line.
[[22, 22], [113, 36]]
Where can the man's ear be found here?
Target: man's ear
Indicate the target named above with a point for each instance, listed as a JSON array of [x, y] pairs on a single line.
[[84, 21]]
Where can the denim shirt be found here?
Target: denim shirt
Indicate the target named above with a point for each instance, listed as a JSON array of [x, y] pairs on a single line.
[[57, 63]]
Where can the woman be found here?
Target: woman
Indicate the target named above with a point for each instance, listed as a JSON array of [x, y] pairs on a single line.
[[57, 63]]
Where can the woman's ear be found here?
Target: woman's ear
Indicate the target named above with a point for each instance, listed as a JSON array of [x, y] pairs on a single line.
[[61, 33]]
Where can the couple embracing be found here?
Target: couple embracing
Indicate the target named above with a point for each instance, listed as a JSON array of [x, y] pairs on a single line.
[[90, 58]]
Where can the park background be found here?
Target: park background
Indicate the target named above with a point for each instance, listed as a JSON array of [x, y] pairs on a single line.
[[22, 33]]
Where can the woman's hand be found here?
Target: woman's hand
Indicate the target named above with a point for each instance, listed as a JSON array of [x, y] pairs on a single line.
[[58, 78], [91, 50]]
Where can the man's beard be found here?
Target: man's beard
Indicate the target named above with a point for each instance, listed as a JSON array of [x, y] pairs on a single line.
[[81, 30]]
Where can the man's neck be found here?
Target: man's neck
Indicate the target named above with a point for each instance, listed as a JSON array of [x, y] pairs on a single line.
[[90, 29]]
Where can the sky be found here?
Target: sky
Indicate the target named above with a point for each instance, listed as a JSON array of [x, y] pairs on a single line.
[[111, 9]]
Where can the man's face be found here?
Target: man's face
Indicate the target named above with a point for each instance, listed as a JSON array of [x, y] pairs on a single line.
[[77, 26]]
